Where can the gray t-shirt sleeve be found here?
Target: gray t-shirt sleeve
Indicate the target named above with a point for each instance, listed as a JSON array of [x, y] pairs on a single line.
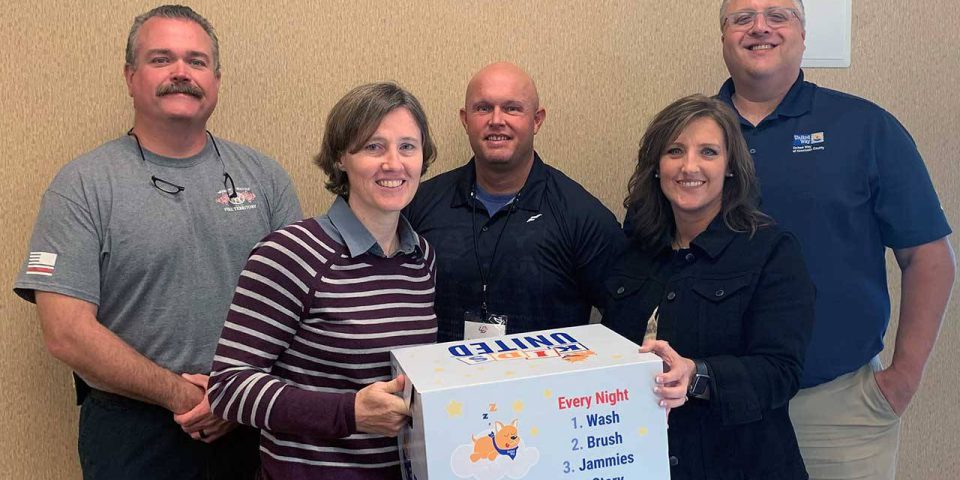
[[64, 251], [285, 204]]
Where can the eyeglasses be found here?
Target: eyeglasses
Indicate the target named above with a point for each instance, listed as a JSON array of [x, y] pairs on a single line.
[[776, 17], [172, 188]]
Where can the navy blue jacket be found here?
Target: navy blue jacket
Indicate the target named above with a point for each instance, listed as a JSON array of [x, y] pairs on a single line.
[[745, 306], [556, 242]]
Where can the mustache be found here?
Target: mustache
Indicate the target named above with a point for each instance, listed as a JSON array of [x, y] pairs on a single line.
[[187, 88]]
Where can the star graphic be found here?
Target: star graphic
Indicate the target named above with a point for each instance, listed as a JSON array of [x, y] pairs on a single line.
[[454, 409], [547, 393], [518, 406], [643, 431], [534, 431]]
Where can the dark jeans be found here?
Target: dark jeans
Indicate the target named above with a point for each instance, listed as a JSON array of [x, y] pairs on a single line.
[[121, 438]]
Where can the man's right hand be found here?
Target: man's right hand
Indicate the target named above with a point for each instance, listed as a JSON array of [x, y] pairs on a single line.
[[199, 422], [377, 410]]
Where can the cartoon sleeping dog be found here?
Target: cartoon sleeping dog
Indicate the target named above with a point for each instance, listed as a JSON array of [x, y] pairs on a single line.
[[503, 440]]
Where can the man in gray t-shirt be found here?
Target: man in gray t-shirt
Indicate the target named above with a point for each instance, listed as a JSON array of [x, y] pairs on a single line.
[[135, 255]]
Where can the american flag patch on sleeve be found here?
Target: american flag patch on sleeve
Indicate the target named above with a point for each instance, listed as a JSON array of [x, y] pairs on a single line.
[[41, 263]]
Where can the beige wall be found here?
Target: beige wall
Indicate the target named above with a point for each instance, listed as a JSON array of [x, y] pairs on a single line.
[[603, 68]]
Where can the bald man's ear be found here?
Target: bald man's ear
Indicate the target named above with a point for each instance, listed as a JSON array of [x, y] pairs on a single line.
[[538, 119], [463, 117]]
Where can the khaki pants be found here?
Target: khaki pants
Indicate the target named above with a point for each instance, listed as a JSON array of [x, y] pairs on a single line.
[[846, 428]]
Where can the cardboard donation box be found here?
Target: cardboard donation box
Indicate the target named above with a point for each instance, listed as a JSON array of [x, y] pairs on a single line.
[[572, 403]]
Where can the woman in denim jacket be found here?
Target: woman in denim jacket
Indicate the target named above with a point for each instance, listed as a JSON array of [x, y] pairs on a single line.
[[723, 296]]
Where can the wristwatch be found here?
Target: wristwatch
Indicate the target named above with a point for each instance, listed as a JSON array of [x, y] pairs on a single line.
[[701, 380]]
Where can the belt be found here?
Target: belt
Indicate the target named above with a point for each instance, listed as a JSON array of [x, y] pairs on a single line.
[[116, 399]]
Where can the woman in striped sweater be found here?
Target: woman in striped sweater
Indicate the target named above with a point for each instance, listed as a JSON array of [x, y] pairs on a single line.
[[304, 351]]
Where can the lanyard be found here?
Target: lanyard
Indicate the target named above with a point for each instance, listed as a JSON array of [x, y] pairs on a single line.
[[476, 247]]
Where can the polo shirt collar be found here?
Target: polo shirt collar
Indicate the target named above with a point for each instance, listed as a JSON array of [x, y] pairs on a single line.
[[359, 240], [797, 102], [529, 197]]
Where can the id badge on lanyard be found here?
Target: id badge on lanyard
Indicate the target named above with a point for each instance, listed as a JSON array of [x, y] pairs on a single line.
[[477, 325], [484, 324]]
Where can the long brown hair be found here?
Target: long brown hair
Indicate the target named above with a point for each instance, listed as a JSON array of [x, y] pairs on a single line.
[[652, 215]]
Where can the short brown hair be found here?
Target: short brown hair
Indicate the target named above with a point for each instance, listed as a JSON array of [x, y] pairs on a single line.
[[653, 215], [355, 118], [177, 12]]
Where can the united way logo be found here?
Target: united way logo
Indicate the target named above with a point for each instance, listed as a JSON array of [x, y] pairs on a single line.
[[808, 142], [243, 200]]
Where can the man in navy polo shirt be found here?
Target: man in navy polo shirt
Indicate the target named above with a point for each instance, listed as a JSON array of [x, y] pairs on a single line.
[[846, 177], [520, 246]]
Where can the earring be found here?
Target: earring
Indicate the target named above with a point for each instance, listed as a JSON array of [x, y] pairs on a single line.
[[729, 174], [656, 174]]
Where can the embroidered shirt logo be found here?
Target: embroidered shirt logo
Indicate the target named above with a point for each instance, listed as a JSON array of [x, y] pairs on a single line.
[[41, 263], [534, 217], [807, 142], [243, 201]]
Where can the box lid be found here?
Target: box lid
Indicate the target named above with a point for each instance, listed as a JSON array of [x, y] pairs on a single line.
[[517, 356]]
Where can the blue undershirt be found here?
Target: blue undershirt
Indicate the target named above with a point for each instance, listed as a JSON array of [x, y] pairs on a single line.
[[493, 203]]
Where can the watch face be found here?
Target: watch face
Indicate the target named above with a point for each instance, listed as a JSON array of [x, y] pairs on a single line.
[[700, 380], [699, 385]]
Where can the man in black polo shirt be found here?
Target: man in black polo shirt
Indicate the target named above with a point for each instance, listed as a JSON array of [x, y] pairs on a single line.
[[520, 246]]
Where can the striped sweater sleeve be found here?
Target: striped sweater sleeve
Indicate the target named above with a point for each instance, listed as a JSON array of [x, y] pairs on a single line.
[[263, 320]]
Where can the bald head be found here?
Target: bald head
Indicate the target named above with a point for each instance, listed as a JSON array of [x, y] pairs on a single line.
[[501, 114], [507, 76]]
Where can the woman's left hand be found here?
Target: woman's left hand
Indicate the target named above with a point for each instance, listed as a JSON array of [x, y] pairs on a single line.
[[672, 384], [379, 409]]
